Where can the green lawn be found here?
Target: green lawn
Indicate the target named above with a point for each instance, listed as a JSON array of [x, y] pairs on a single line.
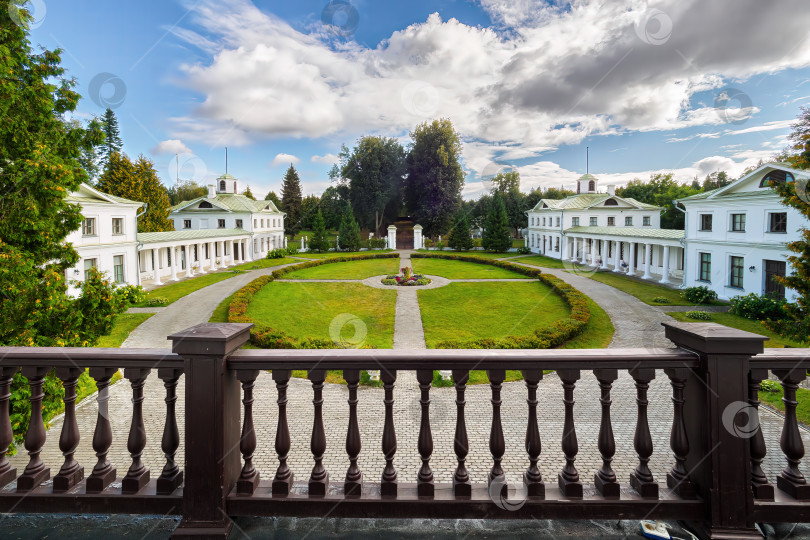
[[175, 291], [741, 323], [264, 263], [296, 241], [348, 270], [123, 325], [309, 310], [462, 270], [475, 253], [642, 290], [466, 311], [774, 400], [543, 261], [221, 312], [330, 254], [598, 332]]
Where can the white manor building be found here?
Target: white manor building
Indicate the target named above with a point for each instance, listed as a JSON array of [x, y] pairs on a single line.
[[212, 232], [736, 236], [601, 229]]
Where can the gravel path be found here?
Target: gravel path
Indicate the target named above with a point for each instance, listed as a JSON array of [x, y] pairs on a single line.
[[637, 325]]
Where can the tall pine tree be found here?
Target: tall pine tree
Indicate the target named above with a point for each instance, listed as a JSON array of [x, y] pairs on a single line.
[[496, 228], [349, 232], [291, 200], [460, 238], [319, 241], [139, 182], [112, 138]]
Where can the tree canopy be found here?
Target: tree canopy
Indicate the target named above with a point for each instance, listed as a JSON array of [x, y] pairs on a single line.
[[349, 232], [496, 229], [271, 196], [291, 200], [186, 191], [112, 137], [460, 238], [249, 194], [661, 190]]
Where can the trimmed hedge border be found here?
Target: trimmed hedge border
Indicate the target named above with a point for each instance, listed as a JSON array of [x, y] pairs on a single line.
[[542, 338], [269, 338]]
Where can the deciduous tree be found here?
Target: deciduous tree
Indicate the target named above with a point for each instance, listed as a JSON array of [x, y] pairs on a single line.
[[186, 191]]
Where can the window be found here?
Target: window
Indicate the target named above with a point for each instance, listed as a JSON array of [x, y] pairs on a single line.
[[591, 186], [736, 272], [221, 223], [558, 222], [646, 221], [118, 225], [88, 264], [593, 221], [238, 223], [611, 221], [89, 228], [169, 257], [222, 185], [738, 222], [705, 222], [776, 177], [186, 223], [118, 268], [778, 222], [205, 204], [557, 244], [255, 224], [575, 222], [611, 202], [705, 267], [544, 222], [628, 221]]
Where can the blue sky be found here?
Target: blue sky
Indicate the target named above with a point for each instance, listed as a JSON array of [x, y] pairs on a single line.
[[683, 86]]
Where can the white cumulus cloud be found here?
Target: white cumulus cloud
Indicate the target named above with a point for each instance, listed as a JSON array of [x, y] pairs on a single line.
[[171, 146], [283, 159], [327, 159]]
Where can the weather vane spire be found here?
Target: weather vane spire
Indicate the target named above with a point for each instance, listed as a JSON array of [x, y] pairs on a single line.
[[587, 159], [226, 160]]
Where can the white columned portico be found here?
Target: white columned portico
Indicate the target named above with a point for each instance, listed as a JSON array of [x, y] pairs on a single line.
[[173, 265], [221, 251], [603, 254], [584, 252], [212, 256], [631, 259], [617, 260], [665, 266], [646, 262], [189, 261], [594, 252], [233, 252], [156, 266]]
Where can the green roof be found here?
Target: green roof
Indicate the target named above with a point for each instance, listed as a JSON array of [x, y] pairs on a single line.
[[733, 195], [232, 202], [189, 234], [587, 200], [639, 232]]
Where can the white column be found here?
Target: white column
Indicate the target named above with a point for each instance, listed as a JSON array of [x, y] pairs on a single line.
[[594, 251], [604, 254], [221, 247], [174, 265], [392, 236], [584, 251], [189, 261], [617, 261], [665, 265], [212, 264], [417, 237], [233, 252], [631, 259], [156, 266], [574, 248], [646, 262]]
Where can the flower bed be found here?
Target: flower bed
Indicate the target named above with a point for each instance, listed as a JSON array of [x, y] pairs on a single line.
[[406, 278]]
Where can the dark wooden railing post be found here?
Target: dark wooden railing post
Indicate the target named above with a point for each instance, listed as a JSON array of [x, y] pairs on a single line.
[[642, 479], [7, 473], [249, 477], [388, 485], [35, 472], [424, 481], [568, 479], [319, 478], [791, 480], [678, 477], [715, 402], [763, 490], [138, 474], [605, 479], [71, 472], [462, 487], [283, 480], [171, 477], [212, 426], [353, 484], [532, 478], [497, 444], [103, 473]]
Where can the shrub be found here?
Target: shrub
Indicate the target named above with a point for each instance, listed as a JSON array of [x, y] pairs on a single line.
[[699, 315], [277, 254], [699, 295], [439, 245], [477, 242], [759, 308], [390, 281], [661, 300], [291, 250], [132, 294], [157, 301], [770, 386], [375, 243], [523, 250], [429, 243]]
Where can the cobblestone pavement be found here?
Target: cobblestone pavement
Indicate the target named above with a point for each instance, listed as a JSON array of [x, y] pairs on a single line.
[[637, 325]]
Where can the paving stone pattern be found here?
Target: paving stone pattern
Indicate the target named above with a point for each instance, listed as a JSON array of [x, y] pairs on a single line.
[[637, 324]]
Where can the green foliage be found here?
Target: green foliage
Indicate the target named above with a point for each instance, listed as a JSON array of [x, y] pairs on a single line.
[[319, 241], [291, 250], [435, 177], [799, 152], [309, 208], [660, 190], [507, 184], [271, 196], [185, 191], [770, 386], [157, 301], [131, 294], [460, 238], [333, 202], [716, 180], [349, 232], [759, 307], [112, 137], [523, 250], [374, 171], [277, 253], [496, 236], [138, 181], [375, 243], [291, 200], [661, 300], [699, 315], [249, 194], [699, 295]]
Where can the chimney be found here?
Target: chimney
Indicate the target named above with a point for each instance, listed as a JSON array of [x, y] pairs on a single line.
[[211, 191], [611, 189]]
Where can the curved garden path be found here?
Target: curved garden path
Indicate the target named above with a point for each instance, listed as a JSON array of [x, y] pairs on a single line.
[[637, 325]]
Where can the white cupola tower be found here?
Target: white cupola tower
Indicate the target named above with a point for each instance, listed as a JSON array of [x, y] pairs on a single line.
[[587, 183], [227, 184]]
